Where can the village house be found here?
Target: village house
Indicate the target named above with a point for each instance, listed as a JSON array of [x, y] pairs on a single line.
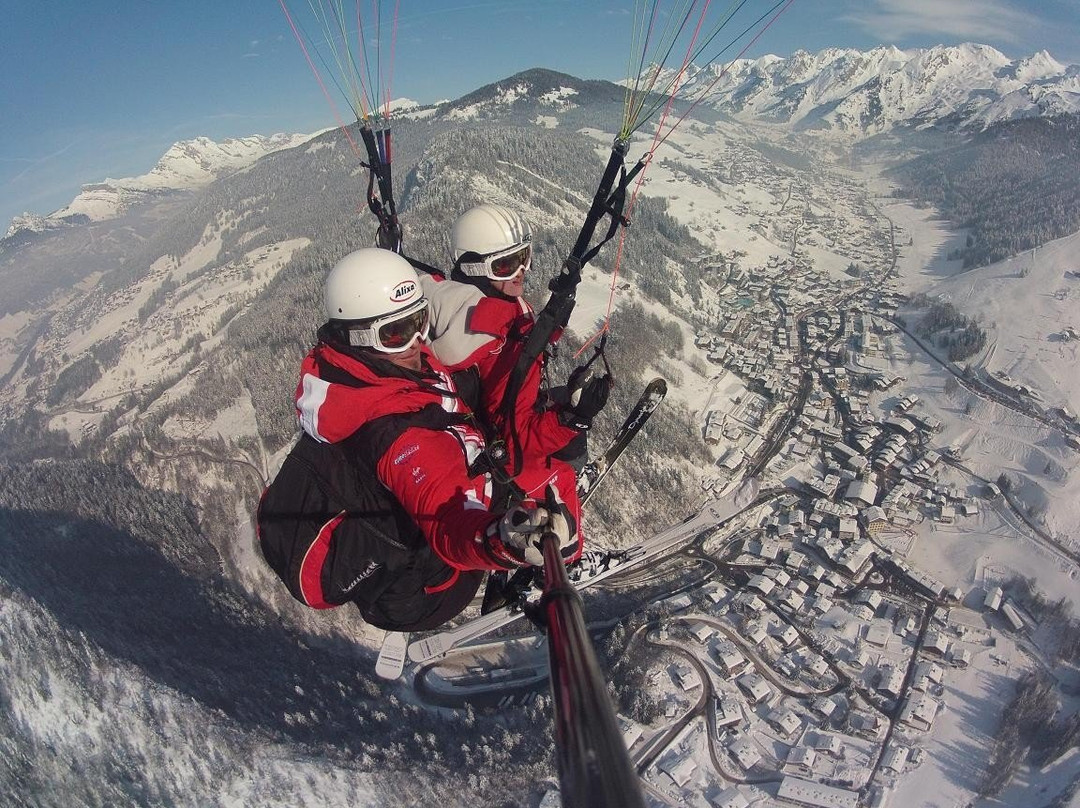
[[754, 686], [730, 658], [862, 493], [730, 797], [866, 724], [874, 520], [801, 759], [936, 643], [784, 721], [919, 712], [825, 743], [761, 584], [891, 681], [816, 795], [894, 759], [745, 752], [680, 768], [787, 635], [726, 710]]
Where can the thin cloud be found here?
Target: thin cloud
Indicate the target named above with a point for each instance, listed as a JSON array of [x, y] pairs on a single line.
[[34, 163], [184, 129], [989, 20]]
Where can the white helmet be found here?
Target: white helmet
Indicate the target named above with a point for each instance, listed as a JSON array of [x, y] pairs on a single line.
[[491, 241], [377, 294]]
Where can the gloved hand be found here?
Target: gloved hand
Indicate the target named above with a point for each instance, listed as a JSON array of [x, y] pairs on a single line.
[[587, 394], [522, 527]]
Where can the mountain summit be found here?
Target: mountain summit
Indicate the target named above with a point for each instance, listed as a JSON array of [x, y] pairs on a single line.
[[530, 93], [966, 86], [187, 165]]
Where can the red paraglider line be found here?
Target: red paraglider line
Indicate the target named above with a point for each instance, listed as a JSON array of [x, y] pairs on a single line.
[[722, 73], [606, 327], [318, 78], [657, 143]]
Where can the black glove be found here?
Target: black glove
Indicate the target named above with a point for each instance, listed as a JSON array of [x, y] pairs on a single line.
[[587, 394]]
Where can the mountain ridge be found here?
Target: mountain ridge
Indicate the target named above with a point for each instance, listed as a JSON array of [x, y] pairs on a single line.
[[862, 93], [186, 165], [845, 91]]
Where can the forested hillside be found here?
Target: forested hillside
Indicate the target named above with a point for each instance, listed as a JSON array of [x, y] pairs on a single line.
[[1014, 186], [550, 176], [132, 673]]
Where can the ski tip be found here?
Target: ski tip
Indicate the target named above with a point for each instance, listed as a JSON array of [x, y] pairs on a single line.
[[392, 655], [425, 649]]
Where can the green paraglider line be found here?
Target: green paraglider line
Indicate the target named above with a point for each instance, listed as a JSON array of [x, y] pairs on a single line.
[[348, 95], [318, 78], [702, 95], [631, 112], [672, 86], [634, 123], [355, 100], [393, 47], [361, 37]]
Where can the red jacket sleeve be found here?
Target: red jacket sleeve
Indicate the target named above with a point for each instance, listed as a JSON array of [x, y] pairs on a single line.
[[426, 470], [537, 433]]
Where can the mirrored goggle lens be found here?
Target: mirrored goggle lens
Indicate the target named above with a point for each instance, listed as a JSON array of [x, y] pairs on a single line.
[[398, 334], [507, 266]]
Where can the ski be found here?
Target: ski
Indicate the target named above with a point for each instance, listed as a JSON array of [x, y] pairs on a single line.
[[391, 661], [428, 648], [436, 645], [596, 470]]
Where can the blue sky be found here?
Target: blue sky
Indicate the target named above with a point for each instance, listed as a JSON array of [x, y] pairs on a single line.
[[99, 88]]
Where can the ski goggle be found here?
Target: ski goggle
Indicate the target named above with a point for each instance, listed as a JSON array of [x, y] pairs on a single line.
[[500, 266], [395, 332]]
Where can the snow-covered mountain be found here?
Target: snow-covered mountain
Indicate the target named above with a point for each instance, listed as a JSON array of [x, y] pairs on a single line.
[[532, 93], [187, 165], [859, 93]]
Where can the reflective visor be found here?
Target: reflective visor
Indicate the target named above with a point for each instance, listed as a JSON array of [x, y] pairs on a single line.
[[499, 266], [504, 267], [395, 332], [399, 334]]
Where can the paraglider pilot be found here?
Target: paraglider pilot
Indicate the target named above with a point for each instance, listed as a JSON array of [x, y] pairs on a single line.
[[389, 500]]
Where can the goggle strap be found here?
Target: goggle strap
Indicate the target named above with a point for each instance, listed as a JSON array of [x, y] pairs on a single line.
[[361, 337], [474, 269]]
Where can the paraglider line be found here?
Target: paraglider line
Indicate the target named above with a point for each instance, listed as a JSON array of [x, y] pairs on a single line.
[[393, 46], [671, 47], [701, 96], [318, 78], [673, 85]]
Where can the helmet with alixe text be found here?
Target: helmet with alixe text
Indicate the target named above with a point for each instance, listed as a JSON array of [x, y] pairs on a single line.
[[373, 298]]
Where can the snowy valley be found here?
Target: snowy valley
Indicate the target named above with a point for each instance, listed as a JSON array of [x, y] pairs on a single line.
[[865, 551]]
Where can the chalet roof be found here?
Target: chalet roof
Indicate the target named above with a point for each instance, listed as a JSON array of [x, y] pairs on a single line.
[[805, 792], [730, 797]]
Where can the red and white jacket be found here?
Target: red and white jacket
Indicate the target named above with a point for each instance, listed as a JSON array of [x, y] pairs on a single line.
[[471, 329], [427, 470]]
